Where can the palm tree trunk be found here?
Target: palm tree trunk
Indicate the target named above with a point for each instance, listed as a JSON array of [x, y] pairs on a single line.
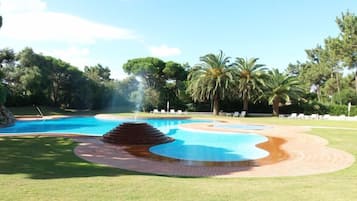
[[276, 102], [245, 103], [215, 105]]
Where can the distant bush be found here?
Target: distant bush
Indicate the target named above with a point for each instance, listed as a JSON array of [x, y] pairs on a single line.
[[312, 107], [315, 107], [342, 110]]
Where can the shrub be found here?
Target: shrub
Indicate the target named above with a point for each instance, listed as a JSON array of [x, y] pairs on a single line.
[[314, 107], [342, 110]]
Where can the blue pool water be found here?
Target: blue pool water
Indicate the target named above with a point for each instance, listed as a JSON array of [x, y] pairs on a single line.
[[188, 144], [219, 147], [86, 125]]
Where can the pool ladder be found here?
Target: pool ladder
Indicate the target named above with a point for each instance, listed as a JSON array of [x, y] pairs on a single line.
[[38, 110]]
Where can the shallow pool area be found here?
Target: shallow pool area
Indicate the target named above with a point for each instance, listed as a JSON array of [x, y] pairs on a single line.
[[211, 146]]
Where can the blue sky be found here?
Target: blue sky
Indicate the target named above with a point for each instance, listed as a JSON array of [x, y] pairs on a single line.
[[109, 32]]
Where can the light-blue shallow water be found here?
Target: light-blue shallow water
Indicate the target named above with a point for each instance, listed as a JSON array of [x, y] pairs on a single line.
[[219, 147]]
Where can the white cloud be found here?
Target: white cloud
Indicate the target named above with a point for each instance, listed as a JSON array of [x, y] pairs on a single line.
[[164, 51], [21, 6], [28, 20], [76, 56]]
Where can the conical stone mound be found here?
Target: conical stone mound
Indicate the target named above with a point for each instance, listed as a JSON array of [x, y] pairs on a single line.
[[136, 134]]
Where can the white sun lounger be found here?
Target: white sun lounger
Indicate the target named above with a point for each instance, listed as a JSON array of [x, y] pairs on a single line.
[[236, 114], [243, 113]]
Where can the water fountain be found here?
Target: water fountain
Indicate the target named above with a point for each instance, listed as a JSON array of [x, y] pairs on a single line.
[[136, 133], [138, 97]]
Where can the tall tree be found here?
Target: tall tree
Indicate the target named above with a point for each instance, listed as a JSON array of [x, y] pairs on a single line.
[[331, 58], [7, 60], [250, 78], [281, 89], [149, 68], [174, 88], [7, 57], [97, 73], [347, 24], [6, 117], [54, 86], [211, 79], [317, 70], [165, 78]]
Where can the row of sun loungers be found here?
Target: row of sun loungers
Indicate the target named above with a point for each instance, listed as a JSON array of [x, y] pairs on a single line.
[[234, 114], [317, 116], [172, 111]]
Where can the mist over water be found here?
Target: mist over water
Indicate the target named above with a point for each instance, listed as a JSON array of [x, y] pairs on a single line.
[[122, 98], [139, 95]]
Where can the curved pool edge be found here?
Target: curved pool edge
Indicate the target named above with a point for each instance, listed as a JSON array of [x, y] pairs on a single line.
[[308, 155], [222, 154]]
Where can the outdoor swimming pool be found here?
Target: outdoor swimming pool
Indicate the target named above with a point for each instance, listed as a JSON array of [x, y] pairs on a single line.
[[194, 145]]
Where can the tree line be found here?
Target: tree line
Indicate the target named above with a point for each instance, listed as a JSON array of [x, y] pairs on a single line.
[[217, 83], [302, 86], [31, 78], [323, 72]]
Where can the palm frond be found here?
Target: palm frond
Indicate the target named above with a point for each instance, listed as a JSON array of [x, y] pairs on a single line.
[[211, 77]]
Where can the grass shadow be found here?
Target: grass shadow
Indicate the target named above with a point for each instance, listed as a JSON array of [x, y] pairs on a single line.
[[48, 158]]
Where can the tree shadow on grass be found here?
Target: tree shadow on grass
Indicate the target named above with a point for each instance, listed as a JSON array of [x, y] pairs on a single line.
[[47, 158]]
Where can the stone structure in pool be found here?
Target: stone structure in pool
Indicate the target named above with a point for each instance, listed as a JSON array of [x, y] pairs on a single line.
[[136, 133]]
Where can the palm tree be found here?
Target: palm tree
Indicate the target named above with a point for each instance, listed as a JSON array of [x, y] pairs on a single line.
[[250, 78], [282, 88], [210, 80]]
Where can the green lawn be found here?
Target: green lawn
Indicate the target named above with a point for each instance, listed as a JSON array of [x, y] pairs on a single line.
[[301, 122], [45, 168]]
